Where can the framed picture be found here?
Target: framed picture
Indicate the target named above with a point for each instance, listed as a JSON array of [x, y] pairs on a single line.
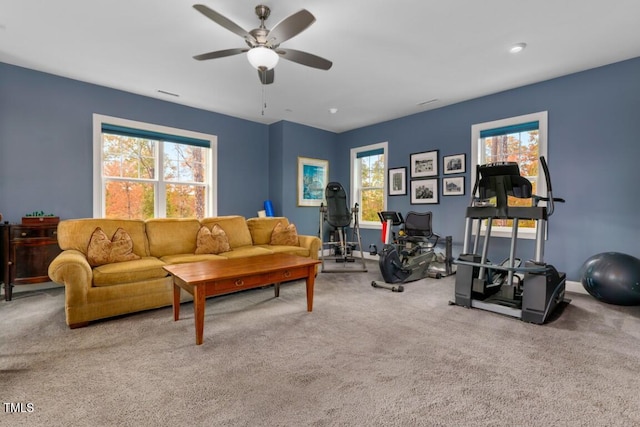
[[424, 191], [397, 181], [453, 186], [313, 175], [454, 164], [424, 164]]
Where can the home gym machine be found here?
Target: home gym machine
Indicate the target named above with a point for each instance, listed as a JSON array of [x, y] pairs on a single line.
[[410, 256], [338, 215], [530, 292]]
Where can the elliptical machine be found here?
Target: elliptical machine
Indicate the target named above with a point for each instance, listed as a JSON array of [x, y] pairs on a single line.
[[411, 256], [531, 298]]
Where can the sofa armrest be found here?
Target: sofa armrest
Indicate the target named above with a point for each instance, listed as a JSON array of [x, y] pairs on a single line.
[[71, 269], [312, 243]]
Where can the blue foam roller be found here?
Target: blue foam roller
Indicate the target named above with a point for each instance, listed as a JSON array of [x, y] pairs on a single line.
[[268, 207]]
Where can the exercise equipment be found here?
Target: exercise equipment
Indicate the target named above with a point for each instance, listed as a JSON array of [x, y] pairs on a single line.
[[612, 277], [268, 208], [338, 215], [410, 256], [530, 292]]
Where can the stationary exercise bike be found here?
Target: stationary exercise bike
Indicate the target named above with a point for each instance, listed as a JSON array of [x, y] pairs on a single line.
[[411, 255]]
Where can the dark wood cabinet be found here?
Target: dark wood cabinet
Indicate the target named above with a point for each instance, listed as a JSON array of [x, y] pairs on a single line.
[[27, 251]]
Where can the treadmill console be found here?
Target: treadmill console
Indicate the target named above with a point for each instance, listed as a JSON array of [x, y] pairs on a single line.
[[499, 168]]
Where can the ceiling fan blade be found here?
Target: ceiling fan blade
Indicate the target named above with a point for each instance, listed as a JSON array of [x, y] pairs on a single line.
[[223, 21], [290, 27], [219, 54], [266, 76], [305, 58]]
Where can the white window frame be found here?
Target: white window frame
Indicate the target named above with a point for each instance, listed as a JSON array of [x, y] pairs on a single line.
[[211, 205], [477, 158], [355, 181]]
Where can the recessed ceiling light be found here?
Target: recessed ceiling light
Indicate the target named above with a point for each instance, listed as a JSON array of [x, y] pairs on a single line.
[[518, 47], [333, 110]]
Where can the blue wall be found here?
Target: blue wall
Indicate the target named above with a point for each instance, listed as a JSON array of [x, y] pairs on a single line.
[[593, 145], [290, 141], [594, 132], [46, 144]]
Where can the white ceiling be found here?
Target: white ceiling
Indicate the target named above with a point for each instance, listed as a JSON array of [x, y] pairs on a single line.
[[388, 56]]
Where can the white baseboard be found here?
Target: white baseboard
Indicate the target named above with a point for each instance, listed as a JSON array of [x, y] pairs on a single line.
[[575, 287], [17, 289], [570, 286], [355, 254]]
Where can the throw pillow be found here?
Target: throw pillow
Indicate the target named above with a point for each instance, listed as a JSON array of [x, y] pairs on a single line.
[[212, 241], [102, 251], [284, 236]]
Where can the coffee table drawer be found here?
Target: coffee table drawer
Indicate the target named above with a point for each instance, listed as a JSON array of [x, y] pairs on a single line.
[[240, 283], [288, 274]]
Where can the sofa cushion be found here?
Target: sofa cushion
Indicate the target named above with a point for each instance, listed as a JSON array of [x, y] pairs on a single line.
[[183, 258], [169, 236], [286, 236], [291, 250], [146, 268], [101, 250], [235, 226], [262, 228], [246, 251], [212, 241], [76, 233]]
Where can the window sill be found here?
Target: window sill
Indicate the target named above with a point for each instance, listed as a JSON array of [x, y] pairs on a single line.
[[506, 232], [371, 225]]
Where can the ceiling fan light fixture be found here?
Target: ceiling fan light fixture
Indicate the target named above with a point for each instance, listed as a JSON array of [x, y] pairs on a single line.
[[262, 58]]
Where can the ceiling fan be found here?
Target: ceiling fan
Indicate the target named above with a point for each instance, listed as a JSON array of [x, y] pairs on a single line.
[[264, 45]]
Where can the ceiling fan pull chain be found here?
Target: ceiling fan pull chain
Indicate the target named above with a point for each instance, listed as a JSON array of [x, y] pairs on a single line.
[[264, 100]]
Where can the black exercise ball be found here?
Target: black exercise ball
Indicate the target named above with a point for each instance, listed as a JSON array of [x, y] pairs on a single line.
[[612, 277]]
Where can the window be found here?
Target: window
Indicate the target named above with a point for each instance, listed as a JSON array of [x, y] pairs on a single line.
[[146, 171], [368, 182], [521, 139]]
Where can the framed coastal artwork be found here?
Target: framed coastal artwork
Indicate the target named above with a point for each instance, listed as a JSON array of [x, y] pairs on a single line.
[[313, 175]]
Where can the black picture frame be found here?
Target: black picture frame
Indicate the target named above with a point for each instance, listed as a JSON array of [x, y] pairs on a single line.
[[397, 181], [424, 164], [453, 186], [453, 164], [424, 191]]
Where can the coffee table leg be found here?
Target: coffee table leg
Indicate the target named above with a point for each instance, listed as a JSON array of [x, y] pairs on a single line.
[[176, 302], [276, 289], [198, 312], [311, 278]]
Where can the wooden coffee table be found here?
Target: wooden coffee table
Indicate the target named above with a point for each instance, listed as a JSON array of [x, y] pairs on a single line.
[[209, 278]]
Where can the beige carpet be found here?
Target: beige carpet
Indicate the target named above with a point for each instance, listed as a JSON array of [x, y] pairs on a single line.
[[364, 357]]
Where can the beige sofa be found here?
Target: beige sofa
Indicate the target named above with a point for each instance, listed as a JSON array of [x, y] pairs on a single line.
[[125, 287]]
